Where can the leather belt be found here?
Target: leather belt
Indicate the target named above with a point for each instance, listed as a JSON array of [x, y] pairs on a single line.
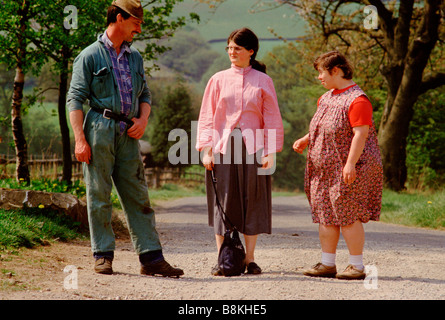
[[108, 114]]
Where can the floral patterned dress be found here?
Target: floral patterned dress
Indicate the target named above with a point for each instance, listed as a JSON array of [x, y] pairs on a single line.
[[332, 201]]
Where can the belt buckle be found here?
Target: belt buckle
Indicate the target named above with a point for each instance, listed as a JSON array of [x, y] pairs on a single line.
[[105, 111]]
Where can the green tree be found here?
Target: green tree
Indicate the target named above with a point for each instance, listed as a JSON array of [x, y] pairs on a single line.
[[297, 98], [16, 32], [408, 41], [35, 30], [74, 24], [173, 112], [6, 77], [425, 152], [406, 48], [62, 41]]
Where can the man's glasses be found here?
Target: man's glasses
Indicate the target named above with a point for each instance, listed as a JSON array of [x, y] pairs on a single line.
[[236, 49]]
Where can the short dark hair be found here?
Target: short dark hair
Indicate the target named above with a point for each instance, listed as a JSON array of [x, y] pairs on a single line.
[[332, 59], [112, 13]]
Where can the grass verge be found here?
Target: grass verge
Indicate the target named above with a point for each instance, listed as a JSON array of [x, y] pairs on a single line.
[[417, 209], [33, 227]]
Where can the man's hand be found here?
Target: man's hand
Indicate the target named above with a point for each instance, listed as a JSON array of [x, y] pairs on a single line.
[[138, 128], [82, 150]]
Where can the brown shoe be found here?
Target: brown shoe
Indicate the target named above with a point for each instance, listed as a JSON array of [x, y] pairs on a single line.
[[320, 270], [162, 268], [103, 265], [352, 273]]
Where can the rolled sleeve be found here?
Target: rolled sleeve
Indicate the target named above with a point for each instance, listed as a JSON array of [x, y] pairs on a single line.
[[145, 95]]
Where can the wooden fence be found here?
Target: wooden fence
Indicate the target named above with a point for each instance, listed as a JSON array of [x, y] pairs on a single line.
[[52, 169], [40, 168], [156, 177]]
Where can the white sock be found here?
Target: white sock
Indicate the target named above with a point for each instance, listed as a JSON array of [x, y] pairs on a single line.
[[328, 259], [357, 261]]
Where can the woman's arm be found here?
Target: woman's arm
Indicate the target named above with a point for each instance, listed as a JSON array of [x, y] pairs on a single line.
[[357, 146]]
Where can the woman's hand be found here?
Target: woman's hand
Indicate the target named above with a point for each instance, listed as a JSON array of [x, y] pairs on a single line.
[[207, 158], [301, 144], [349, 173], [267, 161]]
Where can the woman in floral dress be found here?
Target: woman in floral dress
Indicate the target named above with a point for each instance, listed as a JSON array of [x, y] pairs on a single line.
[[344, 174]]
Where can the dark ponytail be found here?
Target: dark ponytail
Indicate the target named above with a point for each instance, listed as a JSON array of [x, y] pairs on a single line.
[[258, 65], [245, 38]]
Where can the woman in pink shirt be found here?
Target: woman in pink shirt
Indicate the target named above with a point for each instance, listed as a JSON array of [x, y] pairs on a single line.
[[239, 131]]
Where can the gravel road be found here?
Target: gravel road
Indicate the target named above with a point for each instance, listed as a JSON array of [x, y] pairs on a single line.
[[405, 263]]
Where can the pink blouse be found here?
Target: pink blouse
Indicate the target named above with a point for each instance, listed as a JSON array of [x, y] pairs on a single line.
[[241, 97]]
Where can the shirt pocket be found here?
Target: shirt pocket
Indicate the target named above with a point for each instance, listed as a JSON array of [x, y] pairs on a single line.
[[102, 84]]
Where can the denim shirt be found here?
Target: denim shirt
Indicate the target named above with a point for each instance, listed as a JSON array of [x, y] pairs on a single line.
[[93, 79]]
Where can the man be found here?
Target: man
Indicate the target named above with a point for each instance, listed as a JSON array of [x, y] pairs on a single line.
[[110, 74]]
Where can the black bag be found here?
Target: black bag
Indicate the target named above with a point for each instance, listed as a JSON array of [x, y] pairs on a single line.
[[231, 257]]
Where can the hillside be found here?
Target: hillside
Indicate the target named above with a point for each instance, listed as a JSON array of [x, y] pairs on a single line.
[[233, 14]]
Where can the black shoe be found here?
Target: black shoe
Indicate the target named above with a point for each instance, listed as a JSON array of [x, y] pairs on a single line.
[[216, 271], [162, 268], [253, 268]]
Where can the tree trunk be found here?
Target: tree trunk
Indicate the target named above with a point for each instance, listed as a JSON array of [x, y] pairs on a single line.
[[64, 130], [392, 139], [405, 81], [396, 118], [21, 148]]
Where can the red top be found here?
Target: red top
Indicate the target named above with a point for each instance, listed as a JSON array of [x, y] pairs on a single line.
[[360, 110]]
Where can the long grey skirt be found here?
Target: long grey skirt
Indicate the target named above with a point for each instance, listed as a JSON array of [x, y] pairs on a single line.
[[245, 196]]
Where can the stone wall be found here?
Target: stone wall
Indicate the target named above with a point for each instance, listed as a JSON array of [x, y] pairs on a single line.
[[62, 202]]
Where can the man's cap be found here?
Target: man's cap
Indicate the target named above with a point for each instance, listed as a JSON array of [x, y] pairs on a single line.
[[132, 7]]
